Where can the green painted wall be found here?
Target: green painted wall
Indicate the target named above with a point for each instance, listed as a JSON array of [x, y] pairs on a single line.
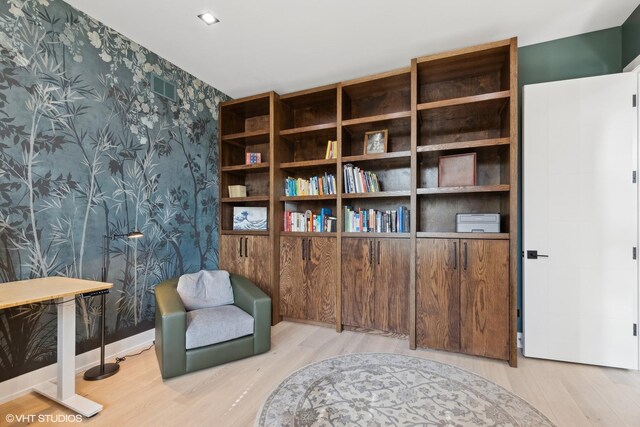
[[584, 55], [631, 37]]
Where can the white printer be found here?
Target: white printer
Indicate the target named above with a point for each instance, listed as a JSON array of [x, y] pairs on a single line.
[[478, 223]]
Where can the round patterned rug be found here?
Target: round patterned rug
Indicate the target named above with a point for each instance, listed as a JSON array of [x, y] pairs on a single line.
[[379, 389]]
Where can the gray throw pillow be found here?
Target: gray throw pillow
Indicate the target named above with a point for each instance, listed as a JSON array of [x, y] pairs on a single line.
[[205, 289]]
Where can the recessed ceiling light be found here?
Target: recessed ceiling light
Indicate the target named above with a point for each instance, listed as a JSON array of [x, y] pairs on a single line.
[[208, 18]]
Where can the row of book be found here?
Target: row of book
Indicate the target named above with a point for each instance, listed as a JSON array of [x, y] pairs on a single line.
[[314, 186], [375, 221], [358, 181], [309, 222]]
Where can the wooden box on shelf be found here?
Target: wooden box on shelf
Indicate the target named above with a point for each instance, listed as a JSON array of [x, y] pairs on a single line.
[[458, 170]]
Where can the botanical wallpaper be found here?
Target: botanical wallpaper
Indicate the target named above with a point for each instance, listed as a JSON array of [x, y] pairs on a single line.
[[88, 150]]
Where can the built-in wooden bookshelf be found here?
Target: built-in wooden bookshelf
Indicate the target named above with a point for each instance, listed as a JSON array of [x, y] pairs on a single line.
[[248, 125], [444, 104]]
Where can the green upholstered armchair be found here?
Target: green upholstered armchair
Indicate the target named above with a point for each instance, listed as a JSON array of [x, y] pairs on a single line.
[[171, 329]]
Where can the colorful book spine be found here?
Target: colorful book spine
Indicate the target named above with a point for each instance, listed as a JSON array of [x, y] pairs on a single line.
[[314, 186], [376, 221], [310, 222], [357, 180]]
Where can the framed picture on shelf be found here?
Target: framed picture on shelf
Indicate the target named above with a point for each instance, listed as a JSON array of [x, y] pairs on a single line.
[[249, 218], [458, 170], [375, 142]]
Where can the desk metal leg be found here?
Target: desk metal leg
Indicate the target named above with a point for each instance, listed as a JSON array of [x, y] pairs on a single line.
[[65, 390]]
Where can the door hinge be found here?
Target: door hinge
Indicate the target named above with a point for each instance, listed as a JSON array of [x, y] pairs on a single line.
[[634, 101], [635, 253], [635, 329], [634, 177]]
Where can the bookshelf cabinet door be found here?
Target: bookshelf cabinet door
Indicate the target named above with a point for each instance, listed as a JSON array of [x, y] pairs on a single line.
[[438, 294], [257, 263], [320, 279], [484, 298], [292, 277], [391, 296], [357, 282], [229, 254]]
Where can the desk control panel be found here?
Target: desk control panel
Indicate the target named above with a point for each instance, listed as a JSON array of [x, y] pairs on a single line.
[[94, 293]]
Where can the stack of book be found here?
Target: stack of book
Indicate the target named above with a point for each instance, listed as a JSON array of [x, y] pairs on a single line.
[[314, 186], [332, 150], [375, 221], [310, 222], [358, 181]]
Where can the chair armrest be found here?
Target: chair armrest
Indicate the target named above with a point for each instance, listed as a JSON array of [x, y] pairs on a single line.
[[251, 299], [171, 327]]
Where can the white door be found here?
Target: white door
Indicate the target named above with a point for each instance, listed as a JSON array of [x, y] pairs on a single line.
[[580, 207]]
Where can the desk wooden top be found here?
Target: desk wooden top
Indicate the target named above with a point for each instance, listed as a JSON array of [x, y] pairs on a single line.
[[13, 294]]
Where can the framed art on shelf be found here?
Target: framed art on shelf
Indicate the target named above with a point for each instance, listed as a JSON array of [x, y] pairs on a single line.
[[375, 142], [249, 218], [458, 170]]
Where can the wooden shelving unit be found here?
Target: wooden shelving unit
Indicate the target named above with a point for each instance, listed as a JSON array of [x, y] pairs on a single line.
[[452, 146], [308, 275], [308, 198], [248, 199], [309, 164], [248, 125], [380, 118], [308, 234], [464, 190], [377, 235], [307, 130], [245, 232], [247, 168], [457, 102], [466, 103], [488, 236], [248, 138], [377, 195]]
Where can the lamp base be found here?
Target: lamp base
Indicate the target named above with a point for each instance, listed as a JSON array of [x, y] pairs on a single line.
[[98, 373]]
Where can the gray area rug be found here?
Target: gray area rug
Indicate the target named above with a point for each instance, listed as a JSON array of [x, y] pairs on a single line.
[[379, 389]]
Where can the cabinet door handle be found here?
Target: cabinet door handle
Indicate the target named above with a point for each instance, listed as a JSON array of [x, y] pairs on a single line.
[[455, 255], [370, 252], [303, 257], [378, 252], [309, 249], [245, 247], [465, 256], [240, 248]]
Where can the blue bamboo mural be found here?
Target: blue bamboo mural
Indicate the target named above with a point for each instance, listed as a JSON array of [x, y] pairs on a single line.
[[88, 149]]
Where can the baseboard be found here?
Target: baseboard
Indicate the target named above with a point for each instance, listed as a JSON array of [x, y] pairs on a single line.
[[23, 384]]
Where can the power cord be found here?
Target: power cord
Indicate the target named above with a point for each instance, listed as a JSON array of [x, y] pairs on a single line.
[[123, 358]]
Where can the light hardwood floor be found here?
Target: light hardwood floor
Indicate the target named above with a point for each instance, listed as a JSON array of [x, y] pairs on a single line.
[[232, 394]]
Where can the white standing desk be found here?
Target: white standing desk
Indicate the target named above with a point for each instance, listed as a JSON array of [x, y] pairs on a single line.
[[63, 291]]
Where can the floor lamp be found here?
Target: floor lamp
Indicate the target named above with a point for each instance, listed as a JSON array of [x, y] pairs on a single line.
[[105, 370]]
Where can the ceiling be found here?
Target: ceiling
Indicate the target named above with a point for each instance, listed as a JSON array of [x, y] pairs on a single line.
[[288, 45]]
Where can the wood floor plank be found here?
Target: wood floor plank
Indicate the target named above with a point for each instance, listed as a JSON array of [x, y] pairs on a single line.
[[232, 394]]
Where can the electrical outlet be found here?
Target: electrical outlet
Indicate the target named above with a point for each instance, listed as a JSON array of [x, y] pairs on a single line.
[[520, 340]]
